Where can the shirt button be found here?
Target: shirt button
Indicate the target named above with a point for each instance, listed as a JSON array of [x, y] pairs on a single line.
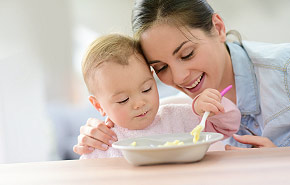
[[257, 125]]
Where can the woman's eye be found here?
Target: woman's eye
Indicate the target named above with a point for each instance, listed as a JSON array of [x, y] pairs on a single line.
[[160, 69], [123, 101], [147, 90], [187, 56]]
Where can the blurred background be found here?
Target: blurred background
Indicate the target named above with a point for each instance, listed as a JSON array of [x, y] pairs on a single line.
[[43, 100]]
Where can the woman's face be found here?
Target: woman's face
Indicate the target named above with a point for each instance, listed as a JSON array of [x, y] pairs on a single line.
[[186, 59]]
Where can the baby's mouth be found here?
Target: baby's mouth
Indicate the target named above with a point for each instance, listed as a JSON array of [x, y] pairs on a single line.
[[143, 114]]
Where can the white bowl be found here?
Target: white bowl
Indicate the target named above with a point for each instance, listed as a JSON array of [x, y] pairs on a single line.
[[147, 150]]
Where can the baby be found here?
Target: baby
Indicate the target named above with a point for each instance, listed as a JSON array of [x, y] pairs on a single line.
[[123, 88]]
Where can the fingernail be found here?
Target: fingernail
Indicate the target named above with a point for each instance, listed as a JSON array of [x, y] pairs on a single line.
[[104, 146], [111, 142], [236, 135], [91, 149], [115, 138]]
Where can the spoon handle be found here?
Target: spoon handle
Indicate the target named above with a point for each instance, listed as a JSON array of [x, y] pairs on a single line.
[[204, 117], [226, 90]]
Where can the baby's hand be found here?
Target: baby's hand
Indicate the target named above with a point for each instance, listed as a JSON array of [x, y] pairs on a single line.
[[208, 100]]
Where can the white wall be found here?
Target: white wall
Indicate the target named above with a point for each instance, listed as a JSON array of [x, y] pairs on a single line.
[[25, 131], [258, 20], [35, 68]]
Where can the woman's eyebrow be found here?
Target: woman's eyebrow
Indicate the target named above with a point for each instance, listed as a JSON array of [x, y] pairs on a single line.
[[179, 47]]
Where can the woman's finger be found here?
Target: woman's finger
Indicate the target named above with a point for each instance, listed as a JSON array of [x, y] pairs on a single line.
[[229, 147], [84, 140], [257, 141], [82, 149], [93, 122], [109, 123], [99, 130], [90, 135]]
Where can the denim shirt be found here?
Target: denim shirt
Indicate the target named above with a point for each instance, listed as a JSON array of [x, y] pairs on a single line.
[[262, 85]]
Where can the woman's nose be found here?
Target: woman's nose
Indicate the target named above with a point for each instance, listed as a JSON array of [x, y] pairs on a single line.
[[179, 75]]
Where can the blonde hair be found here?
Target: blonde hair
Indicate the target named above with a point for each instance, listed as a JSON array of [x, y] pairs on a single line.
[[109, 48]]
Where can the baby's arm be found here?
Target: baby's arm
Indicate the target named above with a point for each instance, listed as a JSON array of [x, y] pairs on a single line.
[[225, 116], [226, 123]]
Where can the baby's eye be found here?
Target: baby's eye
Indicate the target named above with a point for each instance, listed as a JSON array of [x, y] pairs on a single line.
[[147, 90], [123, 101], [187, 56]]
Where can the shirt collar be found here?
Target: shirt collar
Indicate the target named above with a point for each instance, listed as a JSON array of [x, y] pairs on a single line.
[[245, 79]]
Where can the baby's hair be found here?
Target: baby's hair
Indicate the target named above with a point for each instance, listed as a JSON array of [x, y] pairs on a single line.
[[109, 48]]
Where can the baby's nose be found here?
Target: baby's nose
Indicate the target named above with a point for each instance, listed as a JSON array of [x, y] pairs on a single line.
[[139, 104]]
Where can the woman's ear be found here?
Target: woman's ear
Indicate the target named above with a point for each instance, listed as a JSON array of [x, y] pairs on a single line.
[[97, 105], [219, 27]]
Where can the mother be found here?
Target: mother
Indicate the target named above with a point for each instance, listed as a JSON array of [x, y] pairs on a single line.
[[184, 40]]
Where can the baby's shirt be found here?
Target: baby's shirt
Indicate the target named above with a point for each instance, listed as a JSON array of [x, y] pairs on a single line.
[[177, 118]]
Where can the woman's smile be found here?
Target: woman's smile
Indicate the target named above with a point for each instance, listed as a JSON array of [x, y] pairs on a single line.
[[195, 85]]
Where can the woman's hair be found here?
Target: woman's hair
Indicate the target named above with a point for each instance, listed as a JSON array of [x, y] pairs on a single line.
[[109, 48], [190, 13]]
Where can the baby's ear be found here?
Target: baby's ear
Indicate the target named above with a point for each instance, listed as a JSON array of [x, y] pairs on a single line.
[[97, 105]]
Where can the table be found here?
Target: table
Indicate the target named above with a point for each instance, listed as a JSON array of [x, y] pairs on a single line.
[[252, 166]]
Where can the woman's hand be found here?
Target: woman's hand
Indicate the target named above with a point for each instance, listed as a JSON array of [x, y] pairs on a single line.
[[95, 134], [256, 141], [208, 100]]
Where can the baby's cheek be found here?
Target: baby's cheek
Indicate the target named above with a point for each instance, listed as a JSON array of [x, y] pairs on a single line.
[[122, 117]]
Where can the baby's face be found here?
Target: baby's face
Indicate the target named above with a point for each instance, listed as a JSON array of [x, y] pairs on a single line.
[[127, 93]]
